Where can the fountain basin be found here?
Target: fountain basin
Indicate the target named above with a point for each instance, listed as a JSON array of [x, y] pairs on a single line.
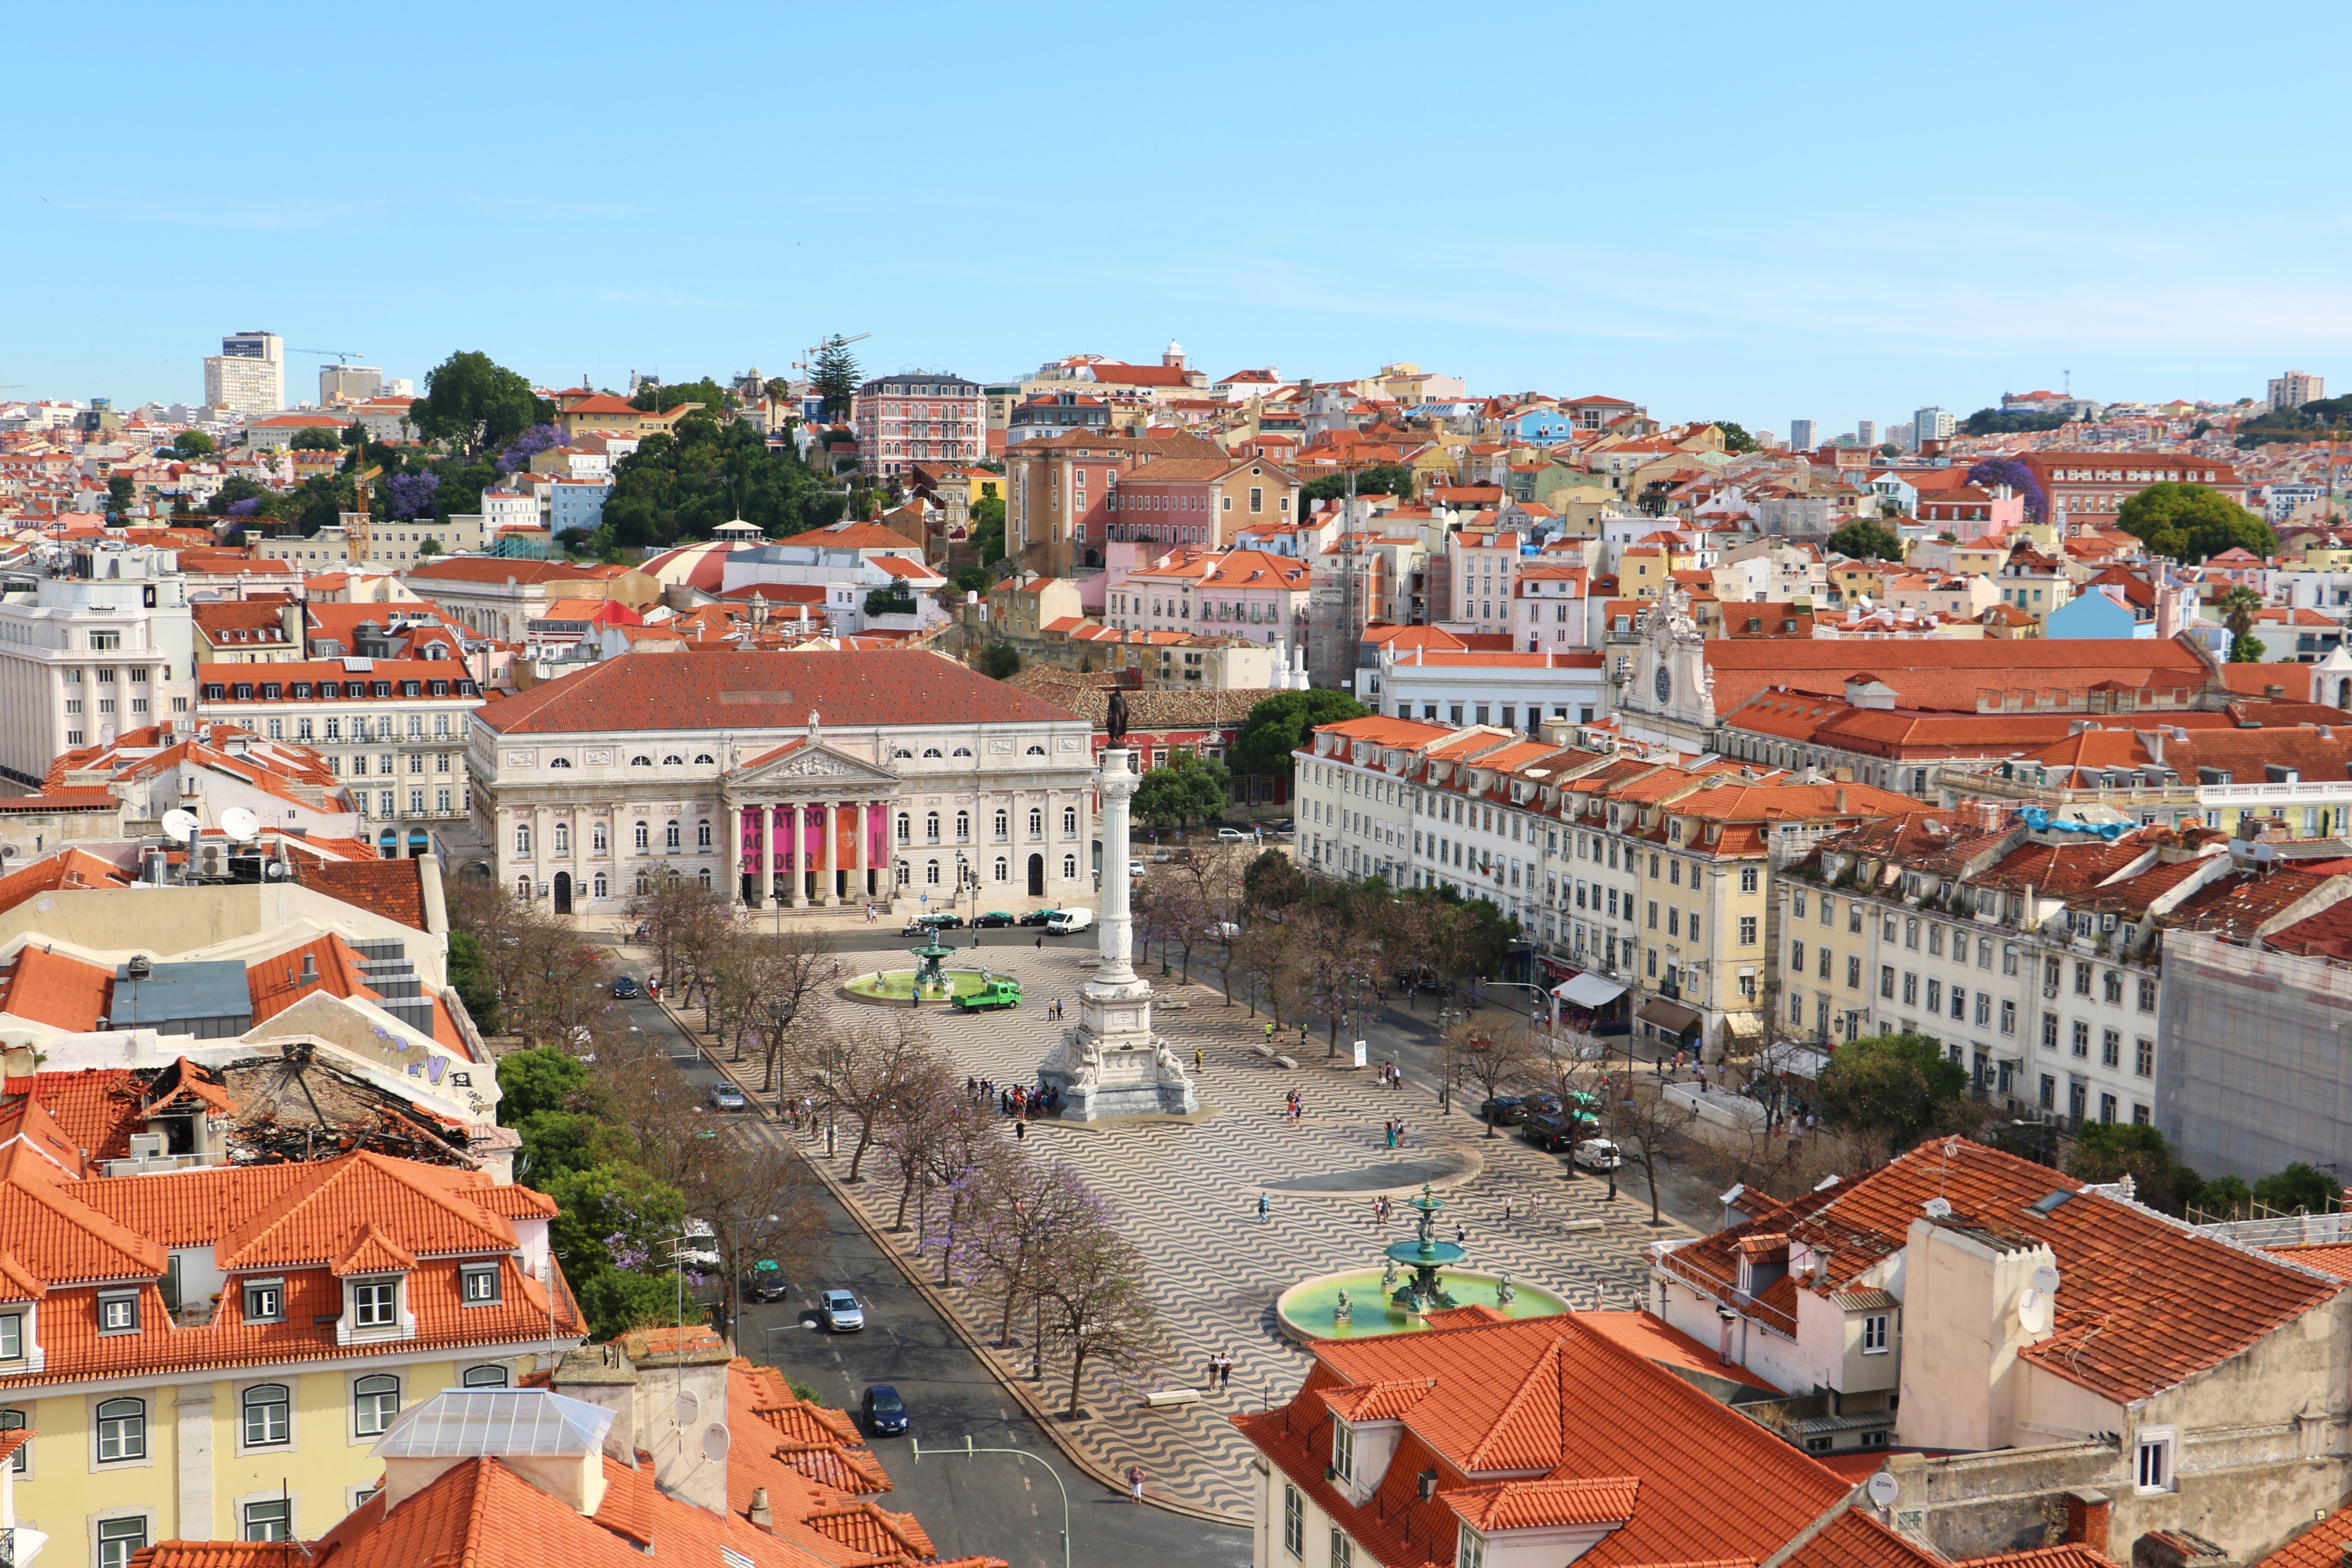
[[1304, 1311], [897, 985]]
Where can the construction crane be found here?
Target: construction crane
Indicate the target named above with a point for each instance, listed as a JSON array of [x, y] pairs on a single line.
[[343, 356], [835, 341]]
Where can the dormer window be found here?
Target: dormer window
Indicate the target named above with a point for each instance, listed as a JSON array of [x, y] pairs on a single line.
[[1343, 1451], [1470, 1548], [477, 1284], [118, 1312], [12, 1336], [375, 1304]]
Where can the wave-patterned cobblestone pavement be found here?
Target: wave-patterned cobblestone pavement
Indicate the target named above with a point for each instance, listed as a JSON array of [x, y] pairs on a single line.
[[1187, 1197]]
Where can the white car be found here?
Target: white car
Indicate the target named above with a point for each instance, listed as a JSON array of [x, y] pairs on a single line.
[[1232, 836], [1067, 921], [1134, 868], [1597, 1155]]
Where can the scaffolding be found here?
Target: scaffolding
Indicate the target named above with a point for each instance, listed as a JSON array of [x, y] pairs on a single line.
[[2255, 1071]]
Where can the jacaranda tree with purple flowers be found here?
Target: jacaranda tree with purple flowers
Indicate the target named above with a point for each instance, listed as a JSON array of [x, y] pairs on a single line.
[[2008, 471], [539, 438], [411, 495]]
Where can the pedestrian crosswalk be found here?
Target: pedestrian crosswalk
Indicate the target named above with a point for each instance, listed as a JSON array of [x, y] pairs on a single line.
[[1188, 1197]]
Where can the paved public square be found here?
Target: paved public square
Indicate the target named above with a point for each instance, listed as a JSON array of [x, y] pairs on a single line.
[[1187, 1195]]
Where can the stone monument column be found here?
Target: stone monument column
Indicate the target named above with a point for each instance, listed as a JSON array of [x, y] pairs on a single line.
[[831, 859], [1112, 1064]]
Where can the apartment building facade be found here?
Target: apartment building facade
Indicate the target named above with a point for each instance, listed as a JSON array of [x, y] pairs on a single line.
[[103, 644], [921, 418]]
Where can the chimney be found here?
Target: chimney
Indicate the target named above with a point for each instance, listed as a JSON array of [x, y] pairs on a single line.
[[682, 1410], [601, 1376], [2178, 1549], [309, 968], [2086, 1517], [762, 1516]]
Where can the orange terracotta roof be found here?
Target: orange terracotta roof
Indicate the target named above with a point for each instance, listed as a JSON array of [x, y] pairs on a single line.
[[394, 888]]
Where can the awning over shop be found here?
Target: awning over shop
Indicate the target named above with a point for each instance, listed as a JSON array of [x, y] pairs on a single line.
[[1588, 991], [1673, 1017], [1745, 1026]]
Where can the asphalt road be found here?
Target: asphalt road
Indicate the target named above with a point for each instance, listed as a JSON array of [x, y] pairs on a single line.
[[993, 1503]]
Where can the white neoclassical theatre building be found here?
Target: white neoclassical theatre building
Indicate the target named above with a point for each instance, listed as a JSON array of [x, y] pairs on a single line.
[[806, 778]]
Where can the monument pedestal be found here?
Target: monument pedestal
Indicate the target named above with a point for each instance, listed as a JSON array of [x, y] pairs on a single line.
[[1111, 1064]]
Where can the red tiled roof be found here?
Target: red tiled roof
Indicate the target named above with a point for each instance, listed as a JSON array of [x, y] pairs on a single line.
[[394, 888]]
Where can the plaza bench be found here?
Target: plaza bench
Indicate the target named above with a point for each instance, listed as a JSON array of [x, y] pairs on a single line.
[[1172, 1004], [1259, 1048], [1579, 1226], [1286, 1062], [1161, 1398]]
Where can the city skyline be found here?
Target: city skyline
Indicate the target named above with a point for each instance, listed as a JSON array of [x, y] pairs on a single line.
[[710, 227]]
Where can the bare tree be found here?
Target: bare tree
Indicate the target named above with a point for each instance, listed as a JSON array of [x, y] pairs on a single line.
[[684, 922], [1216, 878], [1270, 959], [1496, 1059], [661, 1110], [859, 1065], [1648, 1126], [1022, 1220], [1340, 967], [759, 1202], [930, 1105], [552, 988], [1097, 1303]]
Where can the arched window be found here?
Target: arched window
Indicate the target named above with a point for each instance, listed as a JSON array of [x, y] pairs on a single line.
[[596, 840], [672, 759], [558, 762], [1036, 823], [704, 875], [645, 837], [1003, 871], [268, 1415], [671, 838], [963, 826], [930, 753], [599, 885], [932, 827], [961, 751], [1069, 868], [906, 873], [905, 828], [1004, 824], [701, 760], [1069, 821], [121, 1430], [562, 839], [374, 1401], [901, 754], [1035, 751], [522, 838], [491, 1376], [523, 888], [702, 834], [641, 760], [931, 873], [644, 884]]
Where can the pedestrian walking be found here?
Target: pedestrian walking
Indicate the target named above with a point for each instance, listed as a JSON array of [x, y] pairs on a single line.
[[1196, 1058], [1400, 1135], [1506, 1211], [1264, 1207], [1041, 944], [1225, 1370], [1020, 1131], [1461, 1235], [1135, 1484], [1269, 1034]]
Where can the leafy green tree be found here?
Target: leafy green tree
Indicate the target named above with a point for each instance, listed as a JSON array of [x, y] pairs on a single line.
[[614, 1216], [1894, 1090], [717, 401], [2246, 649], [1189, 787], [988, 530], [2312, 422], [1379, 479], [2109, 1151], [1992, 422], [476, 403], [707, 471], [1000, 660], [616, 1301], [972, 580], [1272, 883], [1736, 437], [2226, 1197], [530, 1081], [475, 988], [314, 438], [119, 492], [893, 598], [1282, 723], [2299, 1187], [2193, 523], [239, 490], [193, 443], [833, 378], [1863, 539]]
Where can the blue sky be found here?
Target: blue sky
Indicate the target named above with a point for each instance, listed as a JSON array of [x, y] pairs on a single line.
[[1749, 212]]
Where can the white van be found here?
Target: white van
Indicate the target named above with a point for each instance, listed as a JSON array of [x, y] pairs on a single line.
[[1067, 921]]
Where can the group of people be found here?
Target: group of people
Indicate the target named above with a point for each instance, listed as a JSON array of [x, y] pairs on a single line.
[[1018, 1100], [1393, 1130], [1391, 1076], [1294, 1107]]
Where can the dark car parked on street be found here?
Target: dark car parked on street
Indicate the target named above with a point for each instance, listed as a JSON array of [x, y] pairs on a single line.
[[1505, 1110], [1036, 917], [991, 920], [1550, 1134]]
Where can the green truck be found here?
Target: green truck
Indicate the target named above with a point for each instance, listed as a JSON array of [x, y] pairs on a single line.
[[992, 993]]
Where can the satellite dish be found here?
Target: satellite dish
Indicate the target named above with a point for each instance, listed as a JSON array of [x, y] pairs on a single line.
[[1883, 1489], [716, 1441], [688, 1406], [2045, 1280], [1936, 1208], [2035, 1311], [240, 825], [180, 826]]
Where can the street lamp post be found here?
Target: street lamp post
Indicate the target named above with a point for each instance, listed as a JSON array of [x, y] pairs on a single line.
[[967, 1451]]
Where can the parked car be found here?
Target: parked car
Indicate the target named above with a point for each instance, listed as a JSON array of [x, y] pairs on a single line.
[[839, 1311], [991, 920], [992, 995], [1542, 1103], [1160, 857], [942, 921], [1232, 836], [1067, 921], [1134, 866], [1037, 917], [916, 926], [1549, 1133], [626, 989], [1505, 1110], [886, 1413], [766, 1282], [726, 1097], [1597, 1155], [1224, 931]]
